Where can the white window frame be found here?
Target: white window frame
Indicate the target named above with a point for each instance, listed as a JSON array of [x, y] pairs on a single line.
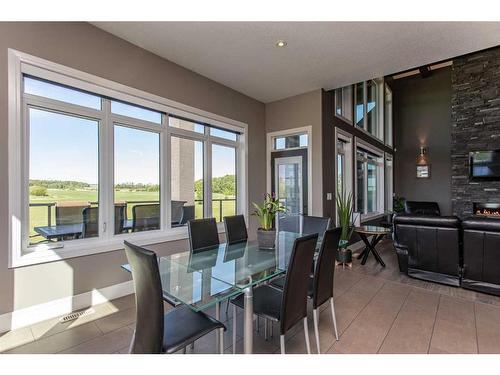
[[19, 64], [270, 148], [389, 181], [380, 181], [347, 138]]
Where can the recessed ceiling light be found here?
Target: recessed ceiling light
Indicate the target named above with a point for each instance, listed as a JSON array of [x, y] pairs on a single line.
[[281, 43]]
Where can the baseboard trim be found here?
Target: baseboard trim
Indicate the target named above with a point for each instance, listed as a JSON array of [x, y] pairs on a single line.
[[52, 309]]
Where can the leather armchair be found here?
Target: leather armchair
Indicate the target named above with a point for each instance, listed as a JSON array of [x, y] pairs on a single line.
[[481, 270], [429, 247], [422, 208]]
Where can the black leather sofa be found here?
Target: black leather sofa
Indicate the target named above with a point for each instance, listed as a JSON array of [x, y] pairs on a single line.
[[481, 255], [422, 208], [429, 247]]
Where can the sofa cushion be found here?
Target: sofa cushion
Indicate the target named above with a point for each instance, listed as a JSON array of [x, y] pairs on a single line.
[[422, 208], [426, 220]]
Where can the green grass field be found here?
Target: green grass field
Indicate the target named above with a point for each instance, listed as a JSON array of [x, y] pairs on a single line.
[[39, 215]]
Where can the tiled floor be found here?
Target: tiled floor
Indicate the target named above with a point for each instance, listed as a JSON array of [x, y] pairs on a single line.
[[378, 311]]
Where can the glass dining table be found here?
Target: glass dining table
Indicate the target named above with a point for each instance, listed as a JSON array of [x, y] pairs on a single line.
[[210, 276]]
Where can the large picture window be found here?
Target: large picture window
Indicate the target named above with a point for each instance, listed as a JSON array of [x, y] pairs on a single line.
[[89, 170]]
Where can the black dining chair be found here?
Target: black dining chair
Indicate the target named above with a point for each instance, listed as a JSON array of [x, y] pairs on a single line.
[[323, 280], [287, 306], [202, 234], [236, 229], [315, 224], [289, 223], [157, 332], [187, 214]]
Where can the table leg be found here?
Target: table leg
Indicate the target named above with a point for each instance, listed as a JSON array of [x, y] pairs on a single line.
[[375, 252], [371, 247], [248, 321], [219, 338]]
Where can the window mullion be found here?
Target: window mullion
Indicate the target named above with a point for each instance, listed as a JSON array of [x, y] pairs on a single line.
[[165, 185], [207, 176], [106, 173]]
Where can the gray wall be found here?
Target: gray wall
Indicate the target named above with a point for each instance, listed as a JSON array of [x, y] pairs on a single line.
[[295, 112], [475, 125], [87, 48], [422, 116]]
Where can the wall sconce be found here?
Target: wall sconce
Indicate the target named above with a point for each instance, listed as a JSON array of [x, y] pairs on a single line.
[[423, 165]]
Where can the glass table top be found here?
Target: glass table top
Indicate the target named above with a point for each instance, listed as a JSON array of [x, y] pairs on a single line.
[[194, 288], [372, 229], [242, 264], [211, 275]]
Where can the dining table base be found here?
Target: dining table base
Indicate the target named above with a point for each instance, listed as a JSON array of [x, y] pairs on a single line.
[[248, 321]]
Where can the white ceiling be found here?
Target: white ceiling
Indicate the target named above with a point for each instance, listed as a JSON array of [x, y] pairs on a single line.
[[243, 56]]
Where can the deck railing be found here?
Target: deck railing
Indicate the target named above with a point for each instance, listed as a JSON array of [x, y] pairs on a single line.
[[218, 205]]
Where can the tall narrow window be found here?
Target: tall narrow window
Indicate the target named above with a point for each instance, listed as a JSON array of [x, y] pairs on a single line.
[[388, 115], [223, 181], [359, 107], [187, 183], [341, 167], [63, 176], [137, 180], [360, 184], [371, 107], [343, 103], [369, 182], [388, 174]]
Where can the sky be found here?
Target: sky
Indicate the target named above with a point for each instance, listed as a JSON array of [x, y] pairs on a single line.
[[66, 148]]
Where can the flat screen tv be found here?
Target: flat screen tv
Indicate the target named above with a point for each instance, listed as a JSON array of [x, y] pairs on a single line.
[[485, 165]]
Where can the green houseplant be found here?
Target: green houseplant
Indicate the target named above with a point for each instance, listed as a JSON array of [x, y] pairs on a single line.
[[344, 212], [266, 213]]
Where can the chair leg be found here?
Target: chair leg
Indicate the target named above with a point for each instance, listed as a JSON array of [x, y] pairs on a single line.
[[334, 319], [316, 328], [234, 329], [282, 344], [306, 334]]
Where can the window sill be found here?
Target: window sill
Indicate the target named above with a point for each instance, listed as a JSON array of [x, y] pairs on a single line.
[[78, 248]]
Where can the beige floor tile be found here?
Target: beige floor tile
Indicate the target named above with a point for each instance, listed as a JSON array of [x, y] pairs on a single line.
[[411, 332], [117, 320], [454, 337], [488, 328], [15, 338], [61, 341], [107, 344]]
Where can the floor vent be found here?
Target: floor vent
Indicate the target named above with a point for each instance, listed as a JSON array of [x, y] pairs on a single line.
[[76, 315]]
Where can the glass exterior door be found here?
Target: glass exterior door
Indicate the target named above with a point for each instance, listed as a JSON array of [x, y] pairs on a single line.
[[288, 180]]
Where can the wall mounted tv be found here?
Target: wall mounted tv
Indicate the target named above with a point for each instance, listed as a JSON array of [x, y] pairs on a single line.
[[485, 165]]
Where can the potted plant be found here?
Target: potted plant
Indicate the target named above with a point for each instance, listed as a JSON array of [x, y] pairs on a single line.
[[344, 212], [266, 213]]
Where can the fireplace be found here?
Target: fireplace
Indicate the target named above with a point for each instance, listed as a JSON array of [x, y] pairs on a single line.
[[486, 209]]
